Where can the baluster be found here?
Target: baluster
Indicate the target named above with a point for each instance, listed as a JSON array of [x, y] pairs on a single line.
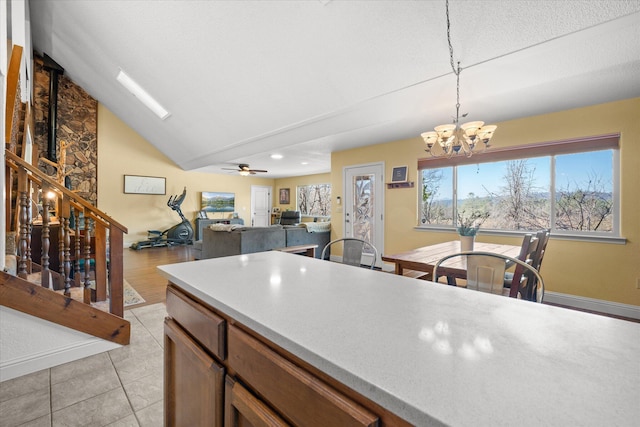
[[46, 230], [67, 257], [77, 278], [87, 259], [61, 245], [29, 234], [22, 260]]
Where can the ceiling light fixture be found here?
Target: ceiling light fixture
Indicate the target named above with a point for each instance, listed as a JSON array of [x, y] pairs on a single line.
[[144, 97], [276, 156], [454, 139], [244, 172]]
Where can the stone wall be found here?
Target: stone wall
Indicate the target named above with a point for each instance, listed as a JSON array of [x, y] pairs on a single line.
[[77, 123]]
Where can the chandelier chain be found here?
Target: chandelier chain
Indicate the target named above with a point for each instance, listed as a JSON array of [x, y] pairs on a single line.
[[457, 70]]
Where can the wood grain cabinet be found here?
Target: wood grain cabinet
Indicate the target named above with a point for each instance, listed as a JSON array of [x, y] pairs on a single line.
[[261, 388]]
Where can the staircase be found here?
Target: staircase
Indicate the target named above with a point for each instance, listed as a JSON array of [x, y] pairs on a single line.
[[76, 246]]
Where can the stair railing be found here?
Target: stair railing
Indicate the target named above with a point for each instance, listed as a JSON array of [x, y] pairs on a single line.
[[97, 238]]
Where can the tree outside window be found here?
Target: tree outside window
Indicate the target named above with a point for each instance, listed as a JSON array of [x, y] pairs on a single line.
[[314, 200], [517, 194]]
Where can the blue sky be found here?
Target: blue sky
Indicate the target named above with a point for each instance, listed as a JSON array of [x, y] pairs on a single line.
[[570, 168]]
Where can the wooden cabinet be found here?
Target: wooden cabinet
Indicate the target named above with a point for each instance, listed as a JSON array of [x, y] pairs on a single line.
[[262, 387], [242, 409], [193, 381]]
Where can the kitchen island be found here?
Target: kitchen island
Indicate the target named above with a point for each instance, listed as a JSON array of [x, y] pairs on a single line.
[[280, 336]]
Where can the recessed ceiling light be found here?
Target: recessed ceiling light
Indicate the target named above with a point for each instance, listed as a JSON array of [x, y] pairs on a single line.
[[276, 156], [304, 163], [144, 97]]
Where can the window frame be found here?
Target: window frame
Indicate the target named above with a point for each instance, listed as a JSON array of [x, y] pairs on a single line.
[[546, 149]]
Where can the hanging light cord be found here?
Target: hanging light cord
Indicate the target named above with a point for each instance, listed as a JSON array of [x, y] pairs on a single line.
[[457, 70]]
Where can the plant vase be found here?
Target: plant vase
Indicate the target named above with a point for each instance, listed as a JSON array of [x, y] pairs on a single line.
[[466, 243]]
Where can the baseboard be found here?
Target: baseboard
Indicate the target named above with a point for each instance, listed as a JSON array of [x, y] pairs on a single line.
[[601, 306], [47, 359]]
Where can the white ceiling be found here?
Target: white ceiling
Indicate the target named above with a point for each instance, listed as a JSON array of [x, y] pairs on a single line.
[[245, 79]]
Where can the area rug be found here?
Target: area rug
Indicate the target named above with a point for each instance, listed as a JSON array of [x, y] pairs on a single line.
[[130, 297]]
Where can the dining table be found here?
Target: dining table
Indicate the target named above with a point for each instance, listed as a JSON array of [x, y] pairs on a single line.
[[424, 258]]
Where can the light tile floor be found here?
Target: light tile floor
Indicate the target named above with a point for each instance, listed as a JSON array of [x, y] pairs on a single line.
[[122, 387]]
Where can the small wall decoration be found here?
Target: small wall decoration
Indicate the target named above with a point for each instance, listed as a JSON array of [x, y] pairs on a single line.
[[285, 198], [399, 174], [135, 184]]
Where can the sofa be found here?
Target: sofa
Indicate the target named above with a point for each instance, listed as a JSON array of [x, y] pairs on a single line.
[[219, 240]]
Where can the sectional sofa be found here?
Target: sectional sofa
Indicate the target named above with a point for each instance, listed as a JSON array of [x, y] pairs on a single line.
[[220, 241]]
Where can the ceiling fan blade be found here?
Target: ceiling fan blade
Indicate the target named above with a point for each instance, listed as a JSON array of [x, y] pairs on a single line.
[[259, 170]]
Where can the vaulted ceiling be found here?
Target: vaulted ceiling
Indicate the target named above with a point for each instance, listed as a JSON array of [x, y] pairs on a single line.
[[245, 79]]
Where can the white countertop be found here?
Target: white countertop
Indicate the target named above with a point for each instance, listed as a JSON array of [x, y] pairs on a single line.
[[430, 353]]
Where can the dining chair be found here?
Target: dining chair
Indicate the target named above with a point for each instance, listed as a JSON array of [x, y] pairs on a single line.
[[536, 262], [527, 253], [485, 273], [352, 250]]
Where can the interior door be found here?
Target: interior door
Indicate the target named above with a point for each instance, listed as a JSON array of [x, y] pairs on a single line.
[[260, 206], [364, 206]]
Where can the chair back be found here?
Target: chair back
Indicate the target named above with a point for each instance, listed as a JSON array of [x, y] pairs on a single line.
[[536, 262], [352, 250], [290, 217], [483, 274], [527, 253]]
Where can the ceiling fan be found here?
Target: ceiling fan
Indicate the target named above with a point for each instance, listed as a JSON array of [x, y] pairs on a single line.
[[244, 170]]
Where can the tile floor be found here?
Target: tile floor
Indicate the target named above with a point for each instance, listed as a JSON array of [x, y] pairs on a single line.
[[122, 387]]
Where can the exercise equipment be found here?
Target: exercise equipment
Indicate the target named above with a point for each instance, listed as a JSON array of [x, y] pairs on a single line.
[[179, 234]]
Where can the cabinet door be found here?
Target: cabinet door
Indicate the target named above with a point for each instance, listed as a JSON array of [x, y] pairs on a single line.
[[193, 382], [242, 409]]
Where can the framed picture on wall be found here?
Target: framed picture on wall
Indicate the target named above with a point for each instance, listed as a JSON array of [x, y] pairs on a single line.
[[285, 197], [399, 174], [136, 184]]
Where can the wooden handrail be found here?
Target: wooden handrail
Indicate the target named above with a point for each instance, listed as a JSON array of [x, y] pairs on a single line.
[[98, 214], [13, 78]]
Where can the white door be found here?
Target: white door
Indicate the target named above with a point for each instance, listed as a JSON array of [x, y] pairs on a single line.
[[364, 206], [260, 206]]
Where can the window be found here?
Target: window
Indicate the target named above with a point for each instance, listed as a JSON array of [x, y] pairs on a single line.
[[314, 200], [572, 190]]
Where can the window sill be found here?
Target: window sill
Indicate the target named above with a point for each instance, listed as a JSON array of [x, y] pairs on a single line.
[[555, 236]]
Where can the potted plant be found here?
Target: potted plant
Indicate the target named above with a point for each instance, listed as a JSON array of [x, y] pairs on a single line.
[[468, 226]]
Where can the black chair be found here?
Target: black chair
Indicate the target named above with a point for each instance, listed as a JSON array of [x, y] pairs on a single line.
[[352, 250], [290, 218], [485, 272]]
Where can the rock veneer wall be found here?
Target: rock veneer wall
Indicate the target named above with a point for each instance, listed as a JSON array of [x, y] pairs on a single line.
[[77, 124]]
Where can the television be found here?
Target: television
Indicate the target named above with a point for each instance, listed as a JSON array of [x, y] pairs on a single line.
[[217, 202]]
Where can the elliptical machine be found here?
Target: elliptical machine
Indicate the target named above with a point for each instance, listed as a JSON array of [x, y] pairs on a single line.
[[179, 234]]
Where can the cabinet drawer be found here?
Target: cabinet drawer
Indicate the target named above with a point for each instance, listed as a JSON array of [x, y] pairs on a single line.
[[205, 326], [296, 394]]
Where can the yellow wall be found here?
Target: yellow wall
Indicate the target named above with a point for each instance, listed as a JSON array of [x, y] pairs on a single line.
[[121, 151], [595, 270]]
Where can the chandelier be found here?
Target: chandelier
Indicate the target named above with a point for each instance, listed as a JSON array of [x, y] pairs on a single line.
[[456, 139]]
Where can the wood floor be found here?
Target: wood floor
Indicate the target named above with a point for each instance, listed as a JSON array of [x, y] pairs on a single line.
[[141, 273]]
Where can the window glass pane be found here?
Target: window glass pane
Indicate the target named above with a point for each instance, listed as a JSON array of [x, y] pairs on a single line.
[[514, 193], [437, 196], [314, 200], [584, 191]]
